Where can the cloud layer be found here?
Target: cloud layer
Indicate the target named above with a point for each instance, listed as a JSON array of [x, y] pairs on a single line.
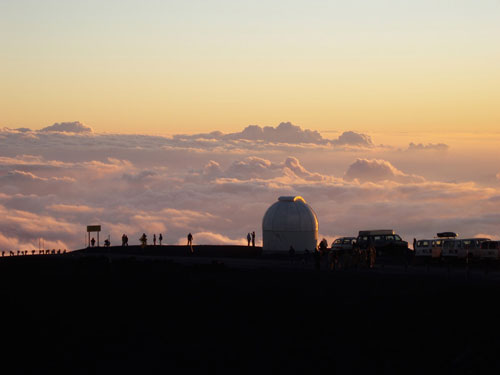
[[218, 186]]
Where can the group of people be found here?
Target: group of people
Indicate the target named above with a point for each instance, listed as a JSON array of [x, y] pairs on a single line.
[[353, 258], [144, 240], [251, 238], [338, 258]]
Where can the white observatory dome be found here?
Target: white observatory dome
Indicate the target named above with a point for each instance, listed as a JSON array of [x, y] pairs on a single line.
[[290, 222]]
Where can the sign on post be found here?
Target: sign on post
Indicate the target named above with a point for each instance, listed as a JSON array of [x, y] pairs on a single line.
[[94, 228]]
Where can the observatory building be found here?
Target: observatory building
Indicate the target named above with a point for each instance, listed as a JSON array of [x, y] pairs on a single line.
[[290, 222]]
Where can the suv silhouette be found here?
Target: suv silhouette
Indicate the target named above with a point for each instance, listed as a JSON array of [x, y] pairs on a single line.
[[386, 242]]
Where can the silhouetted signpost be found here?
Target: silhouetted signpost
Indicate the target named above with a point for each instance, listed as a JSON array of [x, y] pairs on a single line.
[[94, 228]]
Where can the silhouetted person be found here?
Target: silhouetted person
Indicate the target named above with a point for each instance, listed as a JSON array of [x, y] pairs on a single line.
[[144, 240], [92, 242], [414, 243], [107, 243], [124, 240], [323, 245], [253, 238], [154, 239], [3, 253], [33, 252], [370, 253], [249, 238], [333, 259], [160, 238], [190, 242]]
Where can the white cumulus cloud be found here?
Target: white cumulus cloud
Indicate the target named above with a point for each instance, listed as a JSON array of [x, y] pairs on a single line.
[[378, 170]]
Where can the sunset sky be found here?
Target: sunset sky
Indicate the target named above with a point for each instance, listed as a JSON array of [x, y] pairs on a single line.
[[137, 115], [162, 67]]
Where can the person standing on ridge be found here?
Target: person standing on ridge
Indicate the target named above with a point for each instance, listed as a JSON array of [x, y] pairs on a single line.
[[160, 238], [144, 240], [249, 238], [253, 239], [190, 242], [154, 239]]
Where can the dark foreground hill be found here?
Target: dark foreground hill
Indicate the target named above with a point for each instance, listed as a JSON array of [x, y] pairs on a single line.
[[98, 314]]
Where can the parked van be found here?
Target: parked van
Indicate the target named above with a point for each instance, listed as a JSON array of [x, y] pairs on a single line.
[[438, 250], [490, 250], [423, 248], [471, 248], [451, 248]]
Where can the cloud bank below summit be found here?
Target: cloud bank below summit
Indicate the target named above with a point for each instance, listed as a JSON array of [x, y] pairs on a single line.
[[218, 186]]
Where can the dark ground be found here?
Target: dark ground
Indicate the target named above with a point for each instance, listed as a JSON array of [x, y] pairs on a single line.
[[97, 314]]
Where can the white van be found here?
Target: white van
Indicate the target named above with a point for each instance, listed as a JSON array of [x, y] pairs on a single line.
[[423, 248], [490, 250], [437, 246], [471, 248], [451, 248]]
